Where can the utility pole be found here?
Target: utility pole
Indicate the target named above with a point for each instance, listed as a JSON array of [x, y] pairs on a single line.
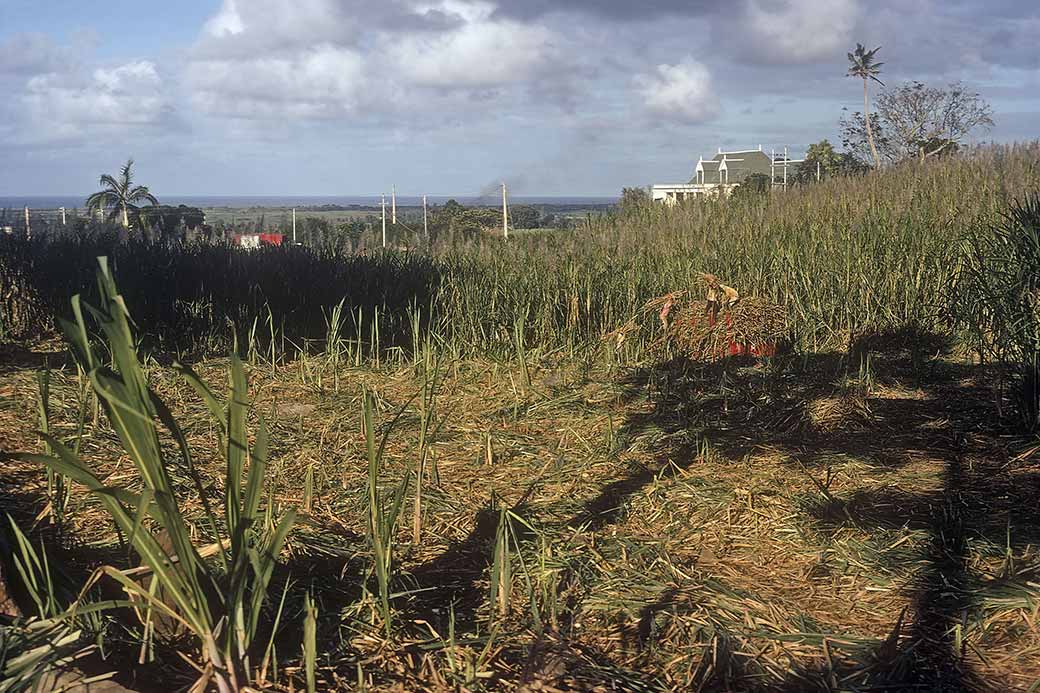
[[63, 216], [393, 204], [294, 226], [772, 168], [817, 171], [425, 224], [785, 168], [28, 231], [505, 213], [383, 205]]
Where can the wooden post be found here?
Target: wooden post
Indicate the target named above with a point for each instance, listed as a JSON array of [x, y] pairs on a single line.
[[28, 230], [383, 206], [63, 216], [293, 226], [425, 224], [505, 213]]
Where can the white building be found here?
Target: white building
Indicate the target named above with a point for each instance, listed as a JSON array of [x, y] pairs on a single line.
[[724, 172]]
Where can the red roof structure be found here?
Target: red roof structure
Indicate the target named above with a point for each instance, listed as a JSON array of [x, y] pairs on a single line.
[[255, 240]]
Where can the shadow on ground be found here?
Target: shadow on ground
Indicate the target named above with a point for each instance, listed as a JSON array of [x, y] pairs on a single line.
[[891, 401], [888, 401]]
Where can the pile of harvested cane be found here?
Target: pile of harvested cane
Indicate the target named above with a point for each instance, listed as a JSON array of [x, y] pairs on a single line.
[[723, 324], [846, 410]]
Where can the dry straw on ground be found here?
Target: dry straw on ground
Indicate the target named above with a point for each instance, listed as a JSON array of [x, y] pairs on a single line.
[[684, 538], [849, 410]]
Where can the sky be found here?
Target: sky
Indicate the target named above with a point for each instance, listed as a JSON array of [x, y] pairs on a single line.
[[450, 97]]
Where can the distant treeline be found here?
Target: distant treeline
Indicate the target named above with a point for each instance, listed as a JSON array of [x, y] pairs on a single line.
[[151, 218], [444, 223]]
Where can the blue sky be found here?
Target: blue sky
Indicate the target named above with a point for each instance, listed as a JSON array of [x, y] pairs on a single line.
[[582, 97]]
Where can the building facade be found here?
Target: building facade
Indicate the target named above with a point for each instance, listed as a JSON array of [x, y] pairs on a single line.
[[722, 173]]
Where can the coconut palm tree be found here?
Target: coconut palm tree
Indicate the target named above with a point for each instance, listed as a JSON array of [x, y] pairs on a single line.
[[120, 197], [864, 66]]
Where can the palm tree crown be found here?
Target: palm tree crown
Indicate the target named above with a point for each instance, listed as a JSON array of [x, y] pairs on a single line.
[[863, 64], [120, 197]]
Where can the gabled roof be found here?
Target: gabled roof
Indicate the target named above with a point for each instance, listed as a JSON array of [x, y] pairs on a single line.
[[749, 155], [740, 165], [738, 152], [737, 164]]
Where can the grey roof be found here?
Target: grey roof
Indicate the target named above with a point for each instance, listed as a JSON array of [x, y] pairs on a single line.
[[740, 154], [739, 165], [711, 172]]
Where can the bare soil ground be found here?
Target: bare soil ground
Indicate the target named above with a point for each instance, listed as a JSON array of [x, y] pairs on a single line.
[[820, 522]]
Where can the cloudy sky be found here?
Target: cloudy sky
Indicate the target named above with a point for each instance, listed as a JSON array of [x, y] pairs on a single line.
[[575, 97]]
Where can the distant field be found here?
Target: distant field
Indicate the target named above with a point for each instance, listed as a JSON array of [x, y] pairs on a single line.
[[280, 218]]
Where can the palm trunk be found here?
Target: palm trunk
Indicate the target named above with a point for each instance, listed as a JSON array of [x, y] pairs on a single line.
[[126, 217], [870, 129]]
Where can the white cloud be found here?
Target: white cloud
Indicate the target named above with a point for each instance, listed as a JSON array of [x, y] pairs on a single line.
[[250, 28], [227, 22], [128, 94], [796, 31], [57, 95], [319, 82], [680, 92], [127, 77], [466, 10], [480, 52], [320, 59], [269, 59], [27, 54]]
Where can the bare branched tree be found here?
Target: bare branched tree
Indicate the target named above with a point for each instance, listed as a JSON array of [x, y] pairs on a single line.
[[915, 120], [854, 137], [926, 121]]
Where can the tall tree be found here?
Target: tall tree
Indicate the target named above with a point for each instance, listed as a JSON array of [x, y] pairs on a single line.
[[914, 120], [119, 196], [634, 199], [853, 129], [864, 66], [929, 121], [822, 161]]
